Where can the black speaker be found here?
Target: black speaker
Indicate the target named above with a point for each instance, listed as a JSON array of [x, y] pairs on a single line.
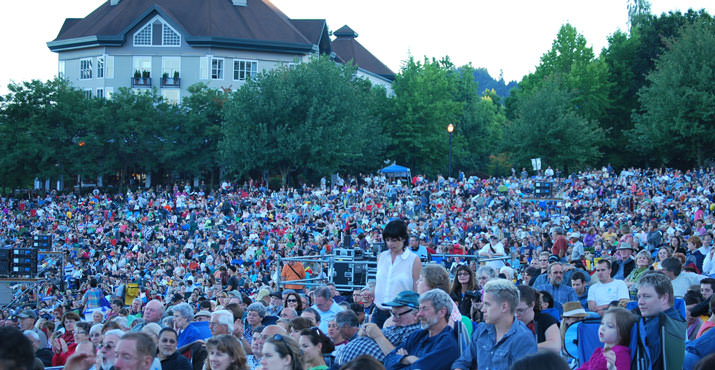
[[24, 262], [42, 242], [350, 273], [543, 188], [343, 273], [5, 262]]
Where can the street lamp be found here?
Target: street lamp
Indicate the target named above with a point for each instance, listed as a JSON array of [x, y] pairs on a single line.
[[450, 129]]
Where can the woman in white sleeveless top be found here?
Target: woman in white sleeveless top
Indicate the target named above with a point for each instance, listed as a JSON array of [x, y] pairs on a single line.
[[398, 269]]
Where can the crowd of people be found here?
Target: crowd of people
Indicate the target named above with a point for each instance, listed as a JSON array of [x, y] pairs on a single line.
[[473, 273]]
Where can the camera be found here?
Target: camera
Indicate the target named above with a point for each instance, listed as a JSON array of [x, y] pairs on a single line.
[[474, 295]]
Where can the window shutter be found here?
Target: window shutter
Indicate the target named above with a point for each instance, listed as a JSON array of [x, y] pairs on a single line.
[[109, 67], [204, 69]]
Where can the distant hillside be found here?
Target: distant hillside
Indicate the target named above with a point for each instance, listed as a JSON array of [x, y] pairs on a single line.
[[485, 81]]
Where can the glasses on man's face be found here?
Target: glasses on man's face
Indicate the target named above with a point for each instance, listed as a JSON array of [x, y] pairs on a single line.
[[397, 315]]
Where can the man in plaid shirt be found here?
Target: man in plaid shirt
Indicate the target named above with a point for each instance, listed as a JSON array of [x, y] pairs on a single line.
[[378, 343]]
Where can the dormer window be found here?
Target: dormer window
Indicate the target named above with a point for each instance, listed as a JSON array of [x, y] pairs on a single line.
[[157, 33]]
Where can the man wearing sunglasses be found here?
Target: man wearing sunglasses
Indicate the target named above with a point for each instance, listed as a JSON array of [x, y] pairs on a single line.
[[435, 345], [378, 343]]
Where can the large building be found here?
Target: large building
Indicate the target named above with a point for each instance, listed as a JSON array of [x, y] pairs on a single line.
[[173, 44]]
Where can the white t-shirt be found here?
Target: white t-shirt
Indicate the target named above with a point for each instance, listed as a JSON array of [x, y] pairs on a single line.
[[606, 293], [498, 252], [392, 278]]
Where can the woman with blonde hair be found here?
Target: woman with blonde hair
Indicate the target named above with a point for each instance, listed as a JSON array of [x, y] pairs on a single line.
[[643, 265]]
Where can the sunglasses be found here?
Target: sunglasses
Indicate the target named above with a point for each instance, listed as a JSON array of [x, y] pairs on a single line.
[[292, 300], [398, 315]]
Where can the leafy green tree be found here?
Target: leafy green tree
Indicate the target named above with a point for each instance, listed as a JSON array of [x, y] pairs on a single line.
[[547, 125], [574, 64], [307, 120], [425, 102], [630, 58], [637, 11], [620, 57], [677, 122], [137, 132], [194, 133], [41, 129]]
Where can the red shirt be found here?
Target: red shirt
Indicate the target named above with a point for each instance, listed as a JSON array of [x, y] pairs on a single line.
[[560, 246]]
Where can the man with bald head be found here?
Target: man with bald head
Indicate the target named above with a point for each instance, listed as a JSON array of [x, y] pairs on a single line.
[[272, 330]]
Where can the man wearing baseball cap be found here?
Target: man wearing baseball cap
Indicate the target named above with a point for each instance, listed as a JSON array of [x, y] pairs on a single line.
[[27, 322], [378, 343], [623, 266]]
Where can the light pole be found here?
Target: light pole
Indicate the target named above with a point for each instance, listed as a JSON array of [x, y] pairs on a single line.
[[450, 129]]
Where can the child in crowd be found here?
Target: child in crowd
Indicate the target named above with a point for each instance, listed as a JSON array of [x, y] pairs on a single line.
[[614, 333]]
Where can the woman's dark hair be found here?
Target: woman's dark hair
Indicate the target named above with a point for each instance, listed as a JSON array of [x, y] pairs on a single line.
[[543, 360], [547, 298], [298, 309], [299, 324], [287, 346], [236, 310], [396, 229], [527, 295], [314, 312], [708, 362], [70, 315], [230, 345], [317, 336], [692, 297], [624, 322], [363, 362], [20, 354], [457, 286], [84, 325]]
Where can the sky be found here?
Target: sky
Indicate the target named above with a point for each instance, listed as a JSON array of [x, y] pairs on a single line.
[[507, 36]]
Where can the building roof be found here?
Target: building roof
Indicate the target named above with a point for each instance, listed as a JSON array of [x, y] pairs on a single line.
[[348, 49], [316, 31], [259, 25]]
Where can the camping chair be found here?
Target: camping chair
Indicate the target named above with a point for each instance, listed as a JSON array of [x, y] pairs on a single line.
[[581, 339], [640, 355]]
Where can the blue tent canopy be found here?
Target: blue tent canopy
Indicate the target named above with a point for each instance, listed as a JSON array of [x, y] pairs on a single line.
[[395, 170]]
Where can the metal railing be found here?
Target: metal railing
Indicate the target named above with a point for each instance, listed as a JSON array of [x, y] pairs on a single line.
[[370, 268]]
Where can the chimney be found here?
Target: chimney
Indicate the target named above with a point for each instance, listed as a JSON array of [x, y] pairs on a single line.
[[240, 2], [114, 2]]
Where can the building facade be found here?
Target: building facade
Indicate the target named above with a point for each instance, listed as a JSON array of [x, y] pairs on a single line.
[[173, 44]]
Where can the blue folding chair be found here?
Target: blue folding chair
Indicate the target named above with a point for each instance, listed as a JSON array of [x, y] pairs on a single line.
[[640, 355], [587, 339]]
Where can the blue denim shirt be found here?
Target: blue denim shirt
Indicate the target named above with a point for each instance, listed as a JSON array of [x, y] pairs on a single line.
[[699, 348], [562, 293], [435, 353], [485, 353]]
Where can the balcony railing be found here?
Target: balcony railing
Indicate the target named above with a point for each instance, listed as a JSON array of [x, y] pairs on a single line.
[[170, 82], [141, 82]]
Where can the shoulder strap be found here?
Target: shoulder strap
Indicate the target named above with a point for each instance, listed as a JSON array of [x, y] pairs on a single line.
[[291, 267]]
